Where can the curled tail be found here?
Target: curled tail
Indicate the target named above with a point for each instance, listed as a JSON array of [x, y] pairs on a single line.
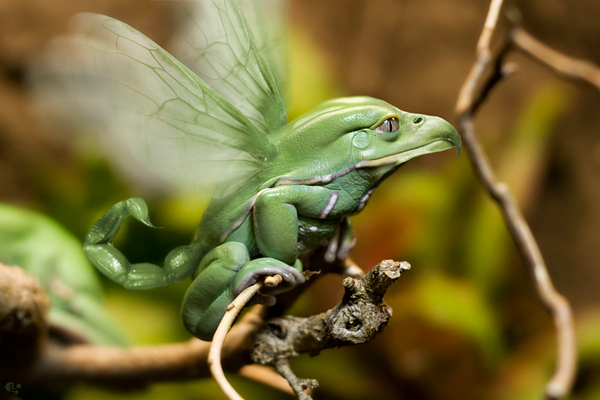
[[180, 263]]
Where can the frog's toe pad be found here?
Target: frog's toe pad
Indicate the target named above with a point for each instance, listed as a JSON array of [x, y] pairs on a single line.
[[261, 267]]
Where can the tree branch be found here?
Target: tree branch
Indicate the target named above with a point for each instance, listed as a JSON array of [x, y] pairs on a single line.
[[30, 355], [23, 326], [475, 89], [141, 365], [566, 67], [359, 316]]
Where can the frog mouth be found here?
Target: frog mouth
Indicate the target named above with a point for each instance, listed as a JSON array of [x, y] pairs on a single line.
[[401, 158], [389, 161], [438, 134]]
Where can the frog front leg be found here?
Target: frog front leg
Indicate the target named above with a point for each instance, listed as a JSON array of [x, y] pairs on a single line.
[[179, 264], [225, 271], [276, 212]]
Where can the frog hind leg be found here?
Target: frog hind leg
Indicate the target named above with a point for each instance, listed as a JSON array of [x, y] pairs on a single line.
[[179, 264], [225, 271]]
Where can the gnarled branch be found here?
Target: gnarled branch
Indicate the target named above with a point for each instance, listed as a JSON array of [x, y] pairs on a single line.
[[357, 318]]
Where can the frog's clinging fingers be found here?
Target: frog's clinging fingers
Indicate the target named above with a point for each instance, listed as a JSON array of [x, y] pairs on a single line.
[[98, 247], [276, 213], [226, 271]]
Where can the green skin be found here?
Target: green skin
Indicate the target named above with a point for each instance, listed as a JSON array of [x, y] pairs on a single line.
[[329, 162]]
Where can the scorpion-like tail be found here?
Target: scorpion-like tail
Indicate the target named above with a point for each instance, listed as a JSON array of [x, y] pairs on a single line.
[[180, 263]]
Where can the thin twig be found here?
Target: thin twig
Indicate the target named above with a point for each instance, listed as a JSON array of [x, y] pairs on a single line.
[[491, 21], [567, 67], [214, 354], [484, 56], [233, 310], [474, 90], [266, 376], [574, 69], [134, 367], [300, 386]]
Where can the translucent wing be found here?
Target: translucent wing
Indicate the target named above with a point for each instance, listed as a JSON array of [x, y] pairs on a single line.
[[215, 41], [159, 117], [267, 20]]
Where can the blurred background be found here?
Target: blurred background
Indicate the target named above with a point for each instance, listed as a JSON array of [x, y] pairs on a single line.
[[467, 323]]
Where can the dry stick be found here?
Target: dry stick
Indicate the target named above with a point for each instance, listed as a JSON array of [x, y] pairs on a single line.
[[58, 367], [137, 366], [484, 55], [303, 387], [561, 382], [266, 376], [564, 66], [233, 310], [468, 102], [133, 368], [575, 69]]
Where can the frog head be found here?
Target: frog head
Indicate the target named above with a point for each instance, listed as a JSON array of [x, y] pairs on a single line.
[[361, 135]]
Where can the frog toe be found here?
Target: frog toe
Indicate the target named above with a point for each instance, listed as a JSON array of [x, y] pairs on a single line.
[[261, 267]]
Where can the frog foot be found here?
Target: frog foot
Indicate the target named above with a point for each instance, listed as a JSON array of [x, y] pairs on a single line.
[[262, 267], [225, 272]]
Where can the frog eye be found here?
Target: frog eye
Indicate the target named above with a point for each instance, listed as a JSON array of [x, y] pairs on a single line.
[[389, 125]]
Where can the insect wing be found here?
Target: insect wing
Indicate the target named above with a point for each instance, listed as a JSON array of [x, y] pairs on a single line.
[[268, 22], [216, 42], [160, 119]]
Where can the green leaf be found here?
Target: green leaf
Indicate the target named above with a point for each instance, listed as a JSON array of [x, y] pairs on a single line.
[[47, 251]]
